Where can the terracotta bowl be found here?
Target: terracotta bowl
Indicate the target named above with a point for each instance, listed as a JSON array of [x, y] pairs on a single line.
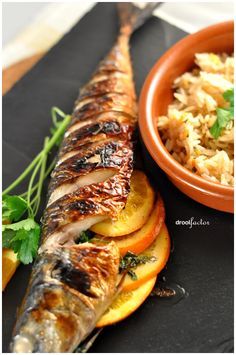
[[157, 94]]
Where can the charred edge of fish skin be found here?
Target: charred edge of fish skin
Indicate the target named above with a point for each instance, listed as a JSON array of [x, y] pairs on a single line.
[[95, 176], [110, 155], [107, 98], [88, 149], [96, 130], [115, 79], [90, 142], [120, 117], [58, 290], [109, 146], [123, 138], [79, 210], [53, 183], [105, 104], [106, 86], [104, 199], [103, 150], [94, 115], [120, 162], [92, 175], [95, 110], [102, 84]]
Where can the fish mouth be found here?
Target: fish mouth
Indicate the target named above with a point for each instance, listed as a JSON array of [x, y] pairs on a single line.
[[23, 343]]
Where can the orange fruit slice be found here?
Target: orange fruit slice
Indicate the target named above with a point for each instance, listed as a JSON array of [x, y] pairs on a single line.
[[140, 240], [136, 212], [158, 253], [126, 303], [9, 265]]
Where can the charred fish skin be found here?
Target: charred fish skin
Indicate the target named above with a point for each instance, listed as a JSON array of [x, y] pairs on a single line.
[[72, 284], [64, 217], [70, 289], [109, 154], [96, 131]]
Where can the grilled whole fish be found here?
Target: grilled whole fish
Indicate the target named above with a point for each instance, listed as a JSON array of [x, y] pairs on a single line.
[[72, 284]]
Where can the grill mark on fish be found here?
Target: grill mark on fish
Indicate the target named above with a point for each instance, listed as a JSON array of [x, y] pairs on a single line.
[[92, 177], [76, 279], [121, 160], [96, 131], [115, 97], [121, 78], [120, 116], [102, 87], [103, 104], [108, 99], [104, 149], [108, 155], [108, 70], [85, 149], [104, 198], [84, 207]]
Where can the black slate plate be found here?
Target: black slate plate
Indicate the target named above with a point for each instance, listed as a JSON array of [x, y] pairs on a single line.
[[202, 261]]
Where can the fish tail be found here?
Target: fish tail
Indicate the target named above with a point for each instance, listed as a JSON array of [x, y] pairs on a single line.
[[132, 17]]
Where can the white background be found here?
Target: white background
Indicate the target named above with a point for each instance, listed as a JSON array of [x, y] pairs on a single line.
[[190, 16], [31, 28]]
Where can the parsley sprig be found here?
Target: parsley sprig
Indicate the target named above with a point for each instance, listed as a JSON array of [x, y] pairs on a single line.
[[224, 115], [19, 233]]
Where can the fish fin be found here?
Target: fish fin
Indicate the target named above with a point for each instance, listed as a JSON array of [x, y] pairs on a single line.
[[88, 342], [132, 17]]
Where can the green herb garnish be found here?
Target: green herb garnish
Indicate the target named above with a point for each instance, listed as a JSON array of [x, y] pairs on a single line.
[[224, 115], [22, 235], [23, 238], [85, 236], [130, 261], [13, 208]]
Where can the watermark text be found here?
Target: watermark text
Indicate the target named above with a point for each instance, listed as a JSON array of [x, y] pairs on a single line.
[[192, 222]]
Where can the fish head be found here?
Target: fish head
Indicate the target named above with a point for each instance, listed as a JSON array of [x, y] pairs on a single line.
[[69, 291]]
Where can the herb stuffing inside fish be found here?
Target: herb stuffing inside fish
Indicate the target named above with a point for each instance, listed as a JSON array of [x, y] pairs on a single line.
[[72, 284]]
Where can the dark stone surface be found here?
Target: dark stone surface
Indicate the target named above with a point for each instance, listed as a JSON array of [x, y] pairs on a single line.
[[202, 260]]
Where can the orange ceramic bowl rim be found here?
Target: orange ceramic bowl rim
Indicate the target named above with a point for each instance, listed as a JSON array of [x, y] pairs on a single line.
[[148, 125]]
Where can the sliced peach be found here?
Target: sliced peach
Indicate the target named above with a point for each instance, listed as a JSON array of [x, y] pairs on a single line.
[[136, 212], [159, 253], [9, 266], [126, 303]]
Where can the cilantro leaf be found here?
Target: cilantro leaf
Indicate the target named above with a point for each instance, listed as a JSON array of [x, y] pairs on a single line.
[[7, 237], [25, 244], [13, 208], [215, 130], [229, 96], [224, 115], [26, 224], [23, 238]]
